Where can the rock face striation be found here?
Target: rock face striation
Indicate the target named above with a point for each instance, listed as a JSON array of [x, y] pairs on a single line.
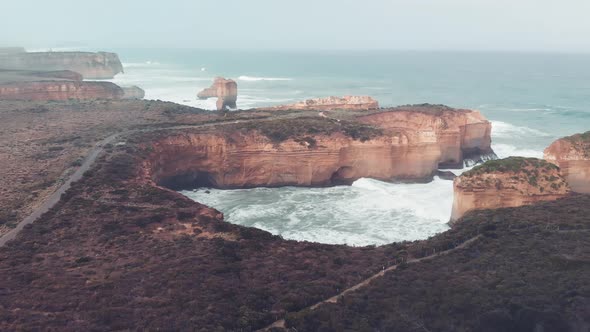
[[60, 90], [359, 103], [225, 90], [101, 65], [454, 136], [312, 151], [572, 155], [509, 182]]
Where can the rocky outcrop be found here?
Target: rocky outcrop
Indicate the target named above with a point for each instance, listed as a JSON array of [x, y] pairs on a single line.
[[462, 137], [59, 90], [359, 103], [101, 65], [225, 90], [133, 92], [509, 182], [572, 155], [304, 152], [253, 160]]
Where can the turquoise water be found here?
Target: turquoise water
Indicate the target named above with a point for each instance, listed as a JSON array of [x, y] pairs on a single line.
[[531, 99]]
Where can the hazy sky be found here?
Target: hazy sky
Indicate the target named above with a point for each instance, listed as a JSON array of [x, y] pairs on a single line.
[[523, 25]]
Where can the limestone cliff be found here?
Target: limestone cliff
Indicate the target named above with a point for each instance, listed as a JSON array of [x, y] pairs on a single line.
[[572, 155], [359, 103], [463, 136], [509, 182], [225, 90], [59, 90], [101, 65], [303, 152]]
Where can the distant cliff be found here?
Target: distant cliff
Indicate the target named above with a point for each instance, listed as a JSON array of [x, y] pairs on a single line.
[[60, 90], [359, 103], [509, 182], [101, 65], [572, 155]]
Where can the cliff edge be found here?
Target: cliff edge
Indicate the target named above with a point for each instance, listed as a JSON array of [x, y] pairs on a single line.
[[510, 182], [572, 155]]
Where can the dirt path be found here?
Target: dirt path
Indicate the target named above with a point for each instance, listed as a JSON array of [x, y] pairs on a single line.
[[55, 197], [366, 282]]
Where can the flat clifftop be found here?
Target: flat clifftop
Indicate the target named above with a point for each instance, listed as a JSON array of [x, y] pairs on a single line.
[[280, 130], [572, 155], [100, 65], [509, 182], [575, 147], [528, 176]]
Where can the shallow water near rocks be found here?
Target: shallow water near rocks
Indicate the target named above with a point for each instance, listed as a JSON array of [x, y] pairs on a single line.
[[369, 212]]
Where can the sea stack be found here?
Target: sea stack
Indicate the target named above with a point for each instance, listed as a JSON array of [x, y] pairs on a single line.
[[572, 155], [510, 182], [226, 91]]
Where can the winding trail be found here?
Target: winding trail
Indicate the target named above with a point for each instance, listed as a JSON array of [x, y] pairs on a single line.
[[55, 197], [366, 282]]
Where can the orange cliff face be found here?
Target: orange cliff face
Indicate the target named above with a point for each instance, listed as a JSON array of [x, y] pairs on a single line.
[[572, 155], [461, 135], [59, 90], [101, 65], [250, 159], [305, 152], [509, 182]]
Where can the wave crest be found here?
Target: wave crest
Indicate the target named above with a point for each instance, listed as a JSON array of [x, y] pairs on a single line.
[[255, 79]]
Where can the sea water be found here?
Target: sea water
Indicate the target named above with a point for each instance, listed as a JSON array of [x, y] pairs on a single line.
[[531, 99]]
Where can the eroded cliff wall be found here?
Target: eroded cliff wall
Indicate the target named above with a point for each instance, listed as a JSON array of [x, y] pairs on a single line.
[[60, 90], [509, 182], [572, 155], [464, 136], [252, 160]]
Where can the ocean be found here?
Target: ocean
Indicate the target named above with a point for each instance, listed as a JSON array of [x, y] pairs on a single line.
[[531, 99]]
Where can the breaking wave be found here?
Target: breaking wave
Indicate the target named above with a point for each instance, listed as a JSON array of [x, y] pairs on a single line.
[[366, 213], [255, 79]]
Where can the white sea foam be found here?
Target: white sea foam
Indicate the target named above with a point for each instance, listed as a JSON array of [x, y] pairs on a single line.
[[255, 79], [507, 150], [507, 130], [368, 212]]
